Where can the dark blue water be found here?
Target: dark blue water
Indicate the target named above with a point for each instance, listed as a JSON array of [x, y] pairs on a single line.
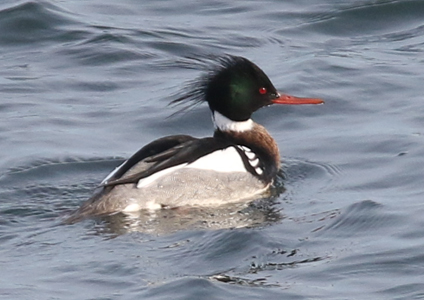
[[84, 84]]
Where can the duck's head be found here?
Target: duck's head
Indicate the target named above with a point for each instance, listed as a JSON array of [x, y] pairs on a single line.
[[235, 87]]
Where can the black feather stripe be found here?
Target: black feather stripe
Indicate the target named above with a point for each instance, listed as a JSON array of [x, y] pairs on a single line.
[[153, 148]]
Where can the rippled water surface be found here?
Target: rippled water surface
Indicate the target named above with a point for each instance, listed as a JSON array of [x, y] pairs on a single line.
[[84, 84]]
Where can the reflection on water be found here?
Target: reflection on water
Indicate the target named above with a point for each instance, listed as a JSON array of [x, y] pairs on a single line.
[[167, 221]]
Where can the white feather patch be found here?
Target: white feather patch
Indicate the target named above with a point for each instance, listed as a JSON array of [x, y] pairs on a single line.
[[226, 160], [148, 180], [250, 155], [259, 171], [254, 163], [225, 124]]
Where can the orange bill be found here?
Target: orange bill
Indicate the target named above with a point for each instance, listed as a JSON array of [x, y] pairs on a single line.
[[291, 100]]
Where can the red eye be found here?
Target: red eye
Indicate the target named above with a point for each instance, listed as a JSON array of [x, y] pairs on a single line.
[[262, 91]]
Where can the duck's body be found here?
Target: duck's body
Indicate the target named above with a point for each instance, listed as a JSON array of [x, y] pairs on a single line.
[[238, 163]]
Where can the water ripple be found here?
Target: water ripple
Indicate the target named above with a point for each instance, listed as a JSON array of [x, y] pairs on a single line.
[[33, 22], [368, 17], [361, 218]]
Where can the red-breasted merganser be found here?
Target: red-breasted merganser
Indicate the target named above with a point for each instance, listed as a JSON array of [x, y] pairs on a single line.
[[238, 163]]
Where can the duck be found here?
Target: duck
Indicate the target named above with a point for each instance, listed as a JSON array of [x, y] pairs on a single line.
[[238, 163]]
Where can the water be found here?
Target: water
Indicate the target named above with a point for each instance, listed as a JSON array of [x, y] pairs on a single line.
[[84, 84]]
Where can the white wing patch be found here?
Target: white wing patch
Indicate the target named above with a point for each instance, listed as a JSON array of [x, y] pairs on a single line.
[[226, 160], [148, 180]]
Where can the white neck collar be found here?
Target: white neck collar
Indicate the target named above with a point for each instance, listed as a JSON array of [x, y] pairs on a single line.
[[224, 124]]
